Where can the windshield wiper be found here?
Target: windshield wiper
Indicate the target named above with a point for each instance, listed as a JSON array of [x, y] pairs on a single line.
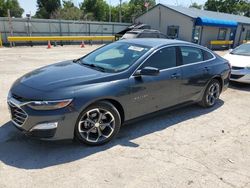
[[94, 66]]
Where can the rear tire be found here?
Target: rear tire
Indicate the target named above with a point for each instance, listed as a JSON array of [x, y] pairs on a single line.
[[98, 124], [211, 94]]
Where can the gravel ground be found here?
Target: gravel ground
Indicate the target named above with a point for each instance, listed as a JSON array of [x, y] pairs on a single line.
[[189, 147]]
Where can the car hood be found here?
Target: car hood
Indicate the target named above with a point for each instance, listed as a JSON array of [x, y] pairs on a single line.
[[238, 60], [61, 75]]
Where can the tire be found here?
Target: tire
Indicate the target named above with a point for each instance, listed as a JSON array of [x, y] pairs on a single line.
[[211, 94], [98, 124]]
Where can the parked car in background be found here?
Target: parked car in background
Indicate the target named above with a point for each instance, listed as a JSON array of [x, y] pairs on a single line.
[[143, 33], [91, 97], [134, 26], [239, 58]]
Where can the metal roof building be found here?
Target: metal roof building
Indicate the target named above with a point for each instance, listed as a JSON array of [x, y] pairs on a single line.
[[194, 25]]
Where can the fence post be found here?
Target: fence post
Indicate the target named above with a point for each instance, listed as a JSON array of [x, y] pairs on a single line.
[[1, 43]]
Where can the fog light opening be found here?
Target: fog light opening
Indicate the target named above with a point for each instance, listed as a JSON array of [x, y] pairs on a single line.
[[45, 126]]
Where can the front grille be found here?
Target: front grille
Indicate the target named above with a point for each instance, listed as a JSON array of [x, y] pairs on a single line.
[[234, 76], [237, 68], [18, 115]]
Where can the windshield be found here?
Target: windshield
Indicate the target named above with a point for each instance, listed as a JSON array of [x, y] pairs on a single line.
[[243, 49], [129, 35], [114, 57]]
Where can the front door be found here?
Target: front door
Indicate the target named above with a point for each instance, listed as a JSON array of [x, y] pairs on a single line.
[[152, 93]]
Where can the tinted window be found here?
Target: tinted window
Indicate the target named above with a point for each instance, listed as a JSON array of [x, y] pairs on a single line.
[[191, 55], [162, 59], [222, 34], [148, 35], [207, 55], [162, 36]]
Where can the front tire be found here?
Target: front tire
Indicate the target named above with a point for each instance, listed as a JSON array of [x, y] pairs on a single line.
[[98, 124], [212, 94]]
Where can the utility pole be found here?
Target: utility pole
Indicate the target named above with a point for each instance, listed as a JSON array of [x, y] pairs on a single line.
[[109, 10], [10, 26], [120, 12]]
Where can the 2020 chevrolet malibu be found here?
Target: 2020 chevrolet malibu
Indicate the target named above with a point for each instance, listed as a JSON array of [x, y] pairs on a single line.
[[91, 97]]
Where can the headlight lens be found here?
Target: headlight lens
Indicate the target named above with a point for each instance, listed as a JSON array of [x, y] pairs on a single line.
[[49, 105]]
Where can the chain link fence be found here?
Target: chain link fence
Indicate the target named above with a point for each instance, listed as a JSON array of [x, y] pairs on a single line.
[[49, 27]]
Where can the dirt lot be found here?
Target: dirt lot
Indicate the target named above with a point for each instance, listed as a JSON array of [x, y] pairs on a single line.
[[190, 147]]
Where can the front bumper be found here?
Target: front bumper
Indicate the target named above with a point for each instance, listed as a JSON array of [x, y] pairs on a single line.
[[241, 75], [56, 124]]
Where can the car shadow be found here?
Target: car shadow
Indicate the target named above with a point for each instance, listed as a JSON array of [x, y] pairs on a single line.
[[22, 152], [239, 86]]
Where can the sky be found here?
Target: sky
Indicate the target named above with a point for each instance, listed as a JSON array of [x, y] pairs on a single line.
[[30, 5]]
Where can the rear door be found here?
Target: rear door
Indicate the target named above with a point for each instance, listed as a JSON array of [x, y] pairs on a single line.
[[152, 93], [196, 72], [148, 35]]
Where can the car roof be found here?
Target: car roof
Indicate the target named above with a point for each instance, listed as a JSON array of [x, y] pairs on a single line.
[[154, 42], [144, 30]]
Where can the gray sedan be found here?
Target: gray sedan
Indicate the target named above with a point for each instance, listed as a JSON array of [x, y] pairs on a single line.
[[91, 97]]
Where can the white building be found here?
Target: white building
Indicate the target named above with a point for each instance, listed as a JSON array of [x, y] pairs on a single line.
[[196, 25]]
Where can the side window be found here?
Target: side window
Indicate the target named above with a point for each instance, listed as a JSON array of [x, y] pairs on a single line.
[[191, 55], [222, 34], [162, 59], [207, 55], [162, 36], [148, 35]]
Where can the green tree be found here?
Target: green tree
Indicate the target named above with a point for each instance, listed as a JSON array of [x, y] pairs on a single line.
[[139, 5], [46, 8], [196, 5], [2, 8], [239, 7], [96, 9], [133, 9], [13, 6], [68, 12]]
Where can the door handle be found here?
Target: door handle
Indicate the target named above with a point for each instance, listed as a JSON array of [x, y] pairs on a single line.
[[206, 69], [175, 76]]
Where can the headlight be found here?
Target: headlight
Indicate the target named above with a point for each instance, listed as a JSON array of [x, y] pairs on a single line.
[[49, 105]]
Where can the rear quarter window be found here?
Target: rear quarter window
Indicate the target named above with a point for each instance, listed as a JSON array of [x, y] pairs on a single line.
[[207, 55]]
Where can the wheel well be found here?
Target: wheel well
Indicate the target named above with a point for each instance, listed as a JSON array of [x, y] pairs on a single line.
[[118, 106], [219, 79]]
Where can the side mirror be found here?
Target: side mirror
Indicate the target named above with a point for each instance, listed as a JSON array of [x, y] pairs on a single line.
[[147, 71]]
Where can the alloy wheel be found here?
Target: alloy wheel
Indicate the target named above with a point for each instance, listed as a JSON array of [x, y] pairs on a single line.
[[96, 125], [213, 93]]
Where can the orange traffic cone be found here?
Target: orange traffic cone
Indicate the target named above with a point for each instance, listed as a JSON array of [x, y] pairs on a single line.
[[82, 45], [49, 45]]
